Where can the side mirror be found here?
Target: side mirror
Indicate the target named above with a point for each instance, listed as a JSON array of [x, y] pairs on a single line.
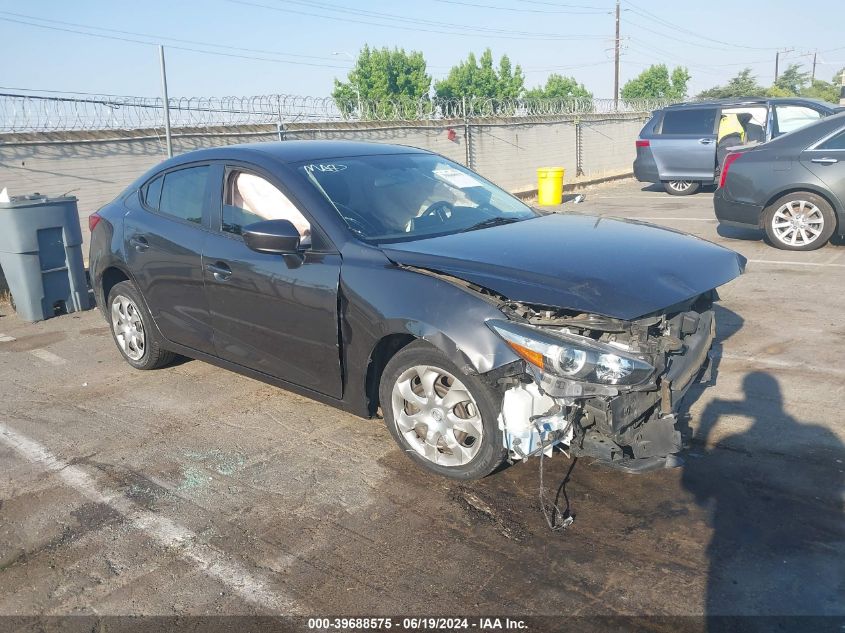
[[272, 236]]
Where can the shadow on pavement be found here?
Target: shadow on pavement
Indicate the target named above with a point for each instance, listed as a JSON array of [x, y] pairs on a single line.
[[775, 498], [740, 233]]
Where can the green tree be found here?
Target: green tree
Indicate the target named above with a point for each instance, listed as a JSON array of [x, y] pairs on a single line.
[[820, 89], [383, 79], [655, 82], [479, 78], [792, 81], [559, 87], [743, 85]]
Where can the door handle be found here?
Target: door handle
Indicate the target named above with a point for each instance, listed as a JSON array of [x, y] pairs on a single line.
[[705, 141], [139, 242], [220, 271], [824, 161]]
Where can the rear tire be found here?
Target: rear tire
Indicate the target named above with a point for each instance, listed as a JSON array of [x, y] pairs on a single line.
[[799, 221], [447, 424], [681, 187], [133, 330]]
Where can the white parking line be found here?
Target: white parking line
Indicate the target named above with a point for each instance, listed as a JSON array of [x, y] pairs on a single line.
[[781, 262], [665, 198], [166, 532], [48, 357], [5, 338]]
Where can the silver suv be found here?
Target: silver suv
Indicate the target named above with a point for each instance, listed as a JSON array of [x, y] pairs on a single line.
[[682, 146]]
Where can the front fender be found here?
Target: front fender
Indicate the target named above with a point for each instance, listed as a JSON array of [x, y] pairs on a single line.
[[381, 299]]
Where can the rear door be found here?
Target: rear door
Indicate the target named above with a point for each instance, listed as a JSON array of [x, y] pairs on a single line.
[[827, 161], [685, 146], [164, 237], [277, 314]]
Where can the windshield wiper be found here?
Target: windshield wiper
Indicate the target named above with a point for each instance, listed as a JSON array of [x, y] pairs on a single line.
[[489, 222]]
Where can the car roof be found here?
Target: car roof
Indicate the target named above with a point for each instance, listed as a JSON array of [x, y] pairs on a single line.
[[739, 101], [293, 151]]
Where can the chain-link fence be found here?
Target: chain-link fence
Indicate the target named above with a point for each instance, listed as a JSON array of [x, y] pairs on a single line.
[[30, 113], [94, 147]]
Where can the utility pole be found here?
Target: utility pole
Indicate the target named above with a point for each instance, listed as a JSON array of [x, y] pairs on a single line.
[[813, 76], [616, 63], [166, 103], [842, 88], [777, 60]]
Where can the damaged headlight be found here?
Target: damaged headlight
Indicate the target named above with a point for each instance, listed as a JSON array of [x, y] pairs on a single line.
[[572, 356]]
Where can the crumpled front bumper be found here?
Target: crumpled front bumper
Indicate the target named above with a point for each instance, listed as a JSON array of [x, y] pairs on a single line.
[[633, 430], [638, 431]]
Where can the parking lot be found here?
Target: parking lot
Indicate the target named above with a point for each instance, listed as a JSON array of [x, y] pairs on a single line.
[[192, 490]]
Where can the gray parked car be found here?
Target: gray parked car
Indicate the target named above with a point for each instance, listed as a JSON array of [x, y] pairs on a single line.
[[793, 186], [683, 145]]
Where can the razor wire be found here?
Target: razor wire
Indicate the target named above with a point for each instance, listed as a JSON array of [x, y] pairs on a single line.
[[44, 113]]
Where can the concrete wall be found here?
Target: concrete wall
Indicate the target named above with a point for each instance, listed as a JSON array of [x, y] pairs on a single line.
[[96, 166]]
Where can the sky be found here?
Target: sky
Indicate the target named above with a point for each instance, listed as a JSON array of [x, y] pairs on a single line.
[[254, 47]]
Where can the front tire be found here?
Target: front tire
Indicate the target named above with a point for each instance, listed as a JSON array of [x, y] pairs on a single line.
[[681, 187], [799, 221], [133, 330], [445, 420]]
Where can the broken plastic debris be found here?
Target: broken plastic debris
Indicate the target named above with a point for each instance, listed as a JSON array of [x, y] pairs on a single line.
[[579, 198], [4, 195]]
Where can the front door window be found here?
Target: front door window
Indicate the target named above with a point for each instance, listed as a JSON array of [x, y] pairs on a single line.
[[249, 198]]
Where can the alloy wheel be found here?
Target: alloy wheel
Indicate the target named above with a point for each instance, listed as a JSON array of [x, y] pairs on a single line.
[[437, 415], [128, 327], [680, 185], [798, 223]]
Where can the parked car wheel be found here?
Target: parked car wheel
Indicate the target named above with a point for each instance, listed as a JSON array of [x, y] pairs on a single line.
[[444, 419], [132, 329], [799, 221], [681, 187]]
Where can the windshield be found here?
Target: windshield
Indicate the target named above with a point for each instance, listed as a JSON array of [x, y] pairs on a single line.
[[398, 197]]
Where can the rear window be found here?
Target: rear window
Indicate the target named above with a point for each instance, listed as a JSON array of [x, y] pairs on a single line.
[[152, 193], [183, 193], [835, 142], [698, 121]]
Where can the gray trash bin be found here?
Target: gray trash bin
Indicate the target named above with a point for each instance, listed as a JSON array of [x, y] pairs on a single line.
[[41, 256]]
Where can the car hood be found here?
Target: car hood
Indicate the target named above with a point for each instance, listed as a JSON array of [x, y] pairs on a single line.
[[613, 267]]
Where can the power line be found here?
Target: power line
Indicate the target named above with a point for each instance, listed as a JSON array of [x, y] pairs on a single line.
[[172, 46], [160, 38], [572, 67], [648, 48], [65, 92], [570, 6], [414, 24], [68, 27], [677, 39], [519, 10], [649, 15]]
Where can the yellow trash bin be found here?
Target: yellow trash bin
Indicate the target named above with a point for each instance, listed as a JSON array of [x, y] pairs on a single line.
[[549, 185]]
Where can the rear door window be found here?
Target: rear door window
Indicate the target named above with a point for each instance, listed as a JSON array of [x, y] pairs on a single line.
[[792, 117], [183, 193], [834, 142], [152, 193], [699, 121]]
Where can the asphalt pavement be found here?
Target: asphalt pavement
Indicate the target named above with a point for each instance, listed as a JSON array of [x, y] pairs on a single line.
[[192, 490]]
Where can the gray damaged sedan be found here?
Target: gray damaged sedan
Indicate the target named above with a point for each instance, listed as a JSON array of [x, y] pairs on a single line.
[[379, 277]]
